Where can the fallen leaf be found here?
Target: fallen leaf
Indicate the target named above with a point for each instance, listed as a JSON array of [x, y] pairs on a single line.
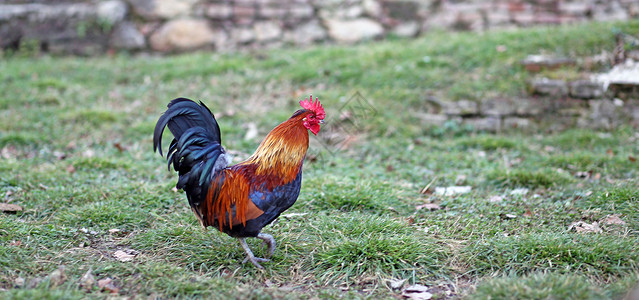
[[125, 255], [71, 169], [507, 216], [107, 284], [528, 213], [87, 281], [613, 220], [10, 208], [452, 190], [583, 174], [632, 158], [417, 292], [428, 206], [610, 152], [583, 227], [59, 155], [396, 284], [119, 147], [15, 243], [103, 282]]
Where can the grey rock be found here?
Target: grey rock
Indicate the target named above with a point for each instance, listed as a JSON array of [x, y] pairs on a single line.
[[301, 10], [271, 11], [162, 9], [575, 8], [605, 114], [112, 11], [407, 29], [491, 124], [401, 10], [531, 106], [549, 87], [517, 123], [586, 89], [126, 36], [242, 35], [497, 107], [219, 11], [342, 12], [429, 119], [267, 31], [306, 33], [461, 108], [614, 12], [10, 11]]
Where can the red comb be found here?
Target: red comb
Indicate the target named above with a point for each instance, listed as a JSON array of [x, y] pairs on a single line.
[[315, 107]]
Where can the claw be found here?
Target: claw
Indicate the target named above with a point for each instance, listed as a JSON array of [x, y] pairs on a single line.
[[249, 255]]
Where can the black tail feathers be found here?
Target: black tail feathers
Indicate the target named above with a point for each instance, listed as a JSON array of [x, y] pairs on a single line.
[[183, 114], [196, 151]]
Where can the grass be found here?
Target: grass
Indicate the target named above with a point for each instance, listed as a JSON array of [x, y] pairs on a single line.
[[76, 148]]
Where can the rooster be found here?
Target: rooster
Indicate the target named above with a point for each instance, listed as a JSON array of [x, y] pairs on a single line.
[[241, 199]]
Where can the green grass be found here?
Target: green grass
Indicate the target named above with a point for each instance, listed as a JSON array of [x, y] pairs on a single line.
[[76, 148]]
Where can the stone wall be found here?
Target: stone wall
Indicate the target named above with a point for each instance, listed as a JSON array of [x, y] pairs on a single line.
[[599, 101], [92, 27]]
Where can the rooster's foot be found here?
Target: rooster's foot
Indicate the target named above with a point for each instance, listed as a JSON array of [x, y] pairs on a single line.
[[270, 243], [249, 255]]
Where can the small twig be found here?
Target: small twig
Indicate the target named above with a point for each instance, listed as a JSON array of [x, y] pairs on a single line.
[[425, 189]]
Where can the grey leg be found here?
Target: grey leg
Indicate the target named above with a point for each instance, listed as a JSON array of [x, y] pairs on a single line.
[[249, 254], [269, 241]]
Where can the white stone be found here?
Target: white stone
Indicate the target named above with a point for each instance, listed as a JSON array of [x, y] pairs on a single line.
[[183, 34], [408, 29], [372, 8], [267, 31], [112, 11], [350, 31]]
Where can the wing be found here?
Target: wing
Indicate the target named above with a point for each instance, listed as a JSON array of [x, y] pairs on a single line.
[[241, 206]]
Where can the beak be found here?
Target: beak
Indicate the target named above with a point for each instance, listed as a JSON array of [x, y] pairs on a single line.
[[321, 121]]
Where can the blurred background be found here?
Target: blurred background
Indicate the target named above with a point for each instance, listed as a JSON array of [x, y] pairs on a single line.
[[93, 27]]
